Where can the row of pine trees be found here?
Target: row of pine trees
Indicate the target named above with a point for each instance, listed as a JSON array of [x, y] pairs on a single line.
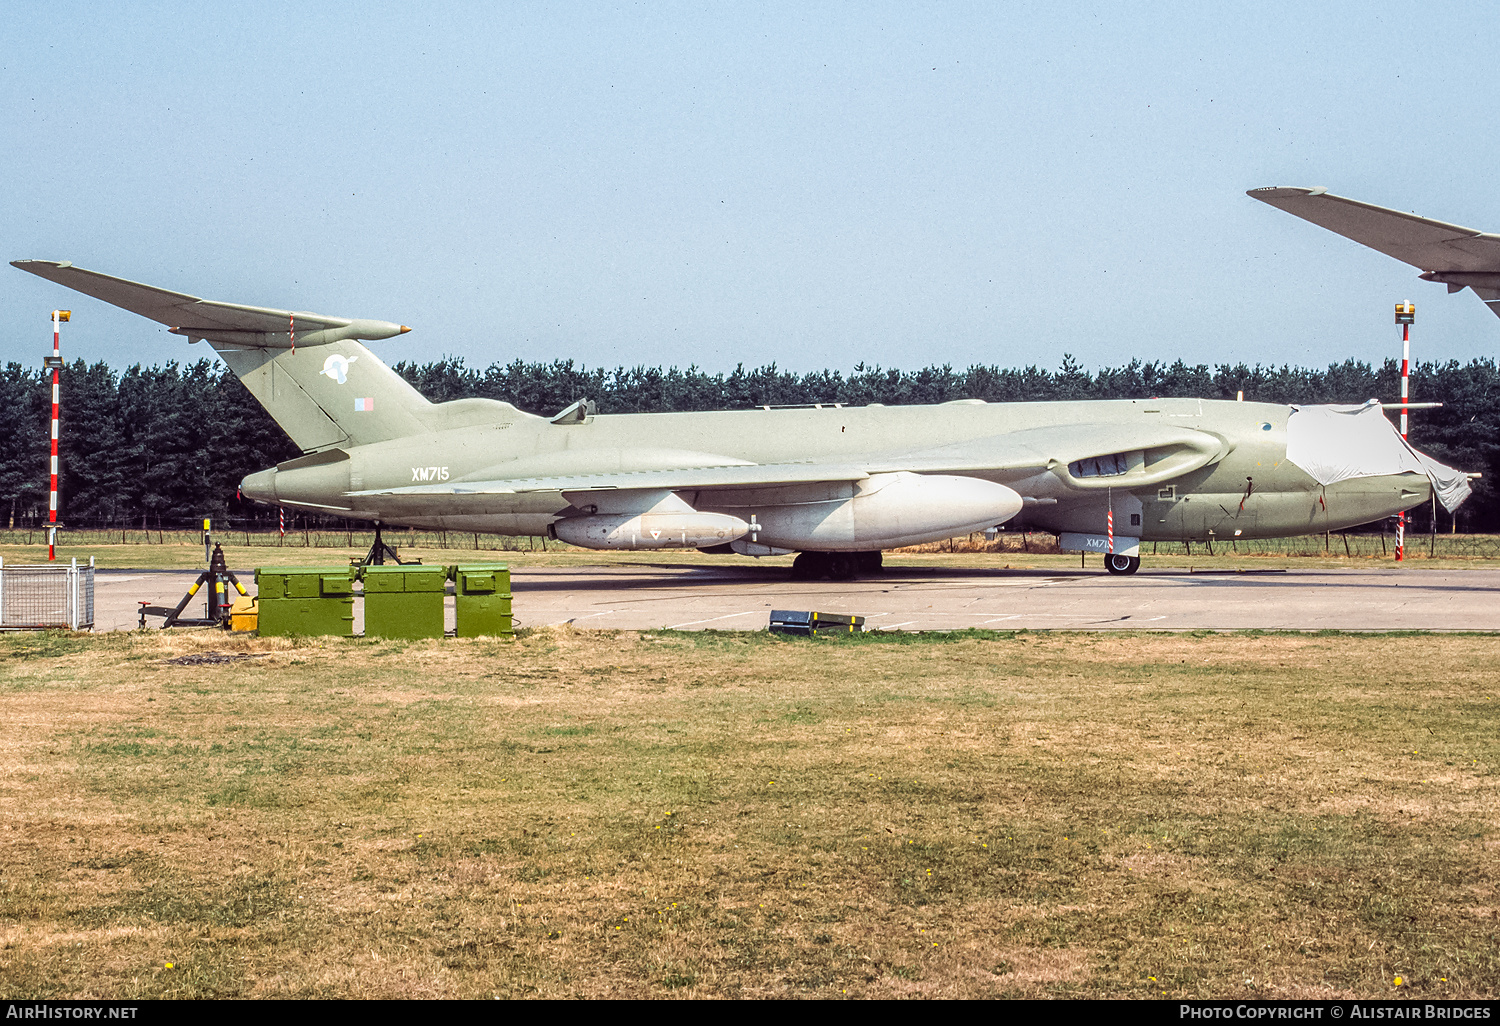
[[165, 445]]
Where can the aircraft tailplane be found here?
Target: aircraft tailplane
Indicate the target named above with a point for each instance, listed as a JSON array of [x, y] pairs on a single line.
[[330, 392]]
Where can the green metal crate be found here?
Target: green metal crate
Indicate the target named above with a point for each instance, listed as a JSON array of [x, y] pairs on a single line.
[[404, 601], [482, 600], [305, 600]]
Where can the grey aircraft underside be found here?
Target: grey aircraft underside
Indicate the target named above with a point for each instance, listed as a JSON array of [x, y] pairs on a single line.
[[834, 483]]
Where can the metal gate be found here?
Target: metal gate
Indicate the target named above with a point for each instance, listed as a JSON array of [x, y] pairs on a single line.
[[38, 597]]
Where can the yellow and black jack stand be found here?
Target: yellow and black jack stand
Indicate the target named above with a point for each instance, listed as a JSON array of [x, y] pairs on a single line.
[[218, 576]]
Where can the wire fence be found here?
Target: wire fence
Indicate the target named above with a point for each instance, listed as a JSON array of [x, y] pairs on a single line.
[[308, 537], [1350, 544], [39, 597]]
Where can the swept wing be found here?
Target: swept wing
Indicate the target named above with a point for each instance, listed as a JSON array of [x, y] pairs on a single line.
[[1456, 256], [1011, 455]]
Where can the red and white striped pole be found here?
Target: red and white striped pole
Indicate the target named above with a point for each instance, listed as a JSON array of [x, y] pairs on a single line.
[[54, 362], [1405, 315], [1109, 521]]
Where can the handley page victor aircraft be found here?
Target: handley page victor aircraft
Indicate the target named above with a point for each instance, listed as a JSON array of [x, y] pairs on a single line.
[[836, 484]]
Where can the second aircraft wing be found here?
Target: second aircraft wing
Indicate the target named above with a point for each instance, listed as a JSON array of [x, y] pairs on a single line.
[[1447, 253]]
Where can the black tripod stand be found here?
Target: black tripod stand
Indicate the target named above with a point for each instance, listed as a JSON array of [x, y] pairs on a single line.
[[380, 550]]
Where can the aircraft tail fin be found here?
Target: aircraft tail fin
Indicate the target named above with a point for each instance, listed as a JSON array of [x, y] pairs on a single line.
[[308, 370], [337, 394]]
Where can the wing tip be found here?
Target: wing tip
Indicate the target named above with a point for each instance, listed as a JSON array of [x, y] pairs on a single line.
[[1282, 192], [1271, 194]]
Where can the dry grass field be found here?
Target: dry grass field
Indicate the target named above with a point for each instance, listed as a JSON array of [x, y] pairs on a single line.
[[189, 814]]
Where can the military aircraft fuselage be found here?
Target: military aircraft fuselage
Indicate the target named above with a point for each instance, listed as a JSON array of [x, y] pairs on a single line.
[[826, 479], [1174, 468]]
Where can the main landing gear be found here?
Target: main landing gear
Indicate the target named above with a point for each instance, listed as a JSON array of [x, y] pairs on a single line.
[[836, 566], [1117, 564]]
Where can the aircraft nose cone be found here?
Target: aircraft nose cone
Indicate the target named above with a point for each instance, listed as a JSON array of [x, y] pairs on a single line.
[[260, 486]]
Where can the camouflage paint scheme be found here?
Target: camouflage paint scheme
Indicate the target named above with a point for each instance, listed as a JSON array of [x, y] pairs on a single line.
[[375, 449]]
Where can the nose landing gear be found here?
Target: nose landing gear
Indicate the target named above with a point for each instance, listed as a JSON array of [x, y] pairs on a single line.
[[1117, 564]]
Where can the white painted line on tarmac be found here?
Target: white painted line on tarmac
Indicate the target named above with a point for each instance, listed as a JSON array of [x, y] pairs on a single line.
[[711, 619]]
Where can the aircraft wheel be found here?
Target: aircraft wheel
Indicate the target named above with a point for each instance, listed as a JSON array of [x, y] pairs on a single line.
[[810, 566], [1117, 564], [842, 566], [868, 562]]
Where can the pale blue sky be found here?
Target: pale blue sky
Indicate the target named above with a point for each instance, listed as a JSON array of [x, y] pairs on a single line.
[[815, 185]]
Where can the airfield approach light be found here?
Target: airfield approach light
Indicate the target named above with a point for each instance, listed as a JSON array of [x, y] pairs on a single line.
[[1406, 314]]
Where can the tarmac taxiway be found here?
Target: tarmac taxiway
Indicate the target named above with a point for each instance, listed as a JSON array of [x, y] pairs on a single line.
[[643, 596]]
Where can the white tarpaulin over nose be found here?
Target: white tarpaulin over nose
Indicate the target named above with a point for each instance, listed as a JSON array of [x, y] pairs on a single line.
[[1336, 443]]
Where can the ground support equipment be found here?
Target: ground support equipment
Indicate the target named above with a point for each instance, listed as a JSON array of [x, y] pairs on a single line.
[[218, 576], [305, 600]]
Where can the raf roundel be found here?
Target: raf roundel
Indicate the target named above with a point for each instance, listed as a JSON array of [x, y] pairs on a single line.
[[337, 367]]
